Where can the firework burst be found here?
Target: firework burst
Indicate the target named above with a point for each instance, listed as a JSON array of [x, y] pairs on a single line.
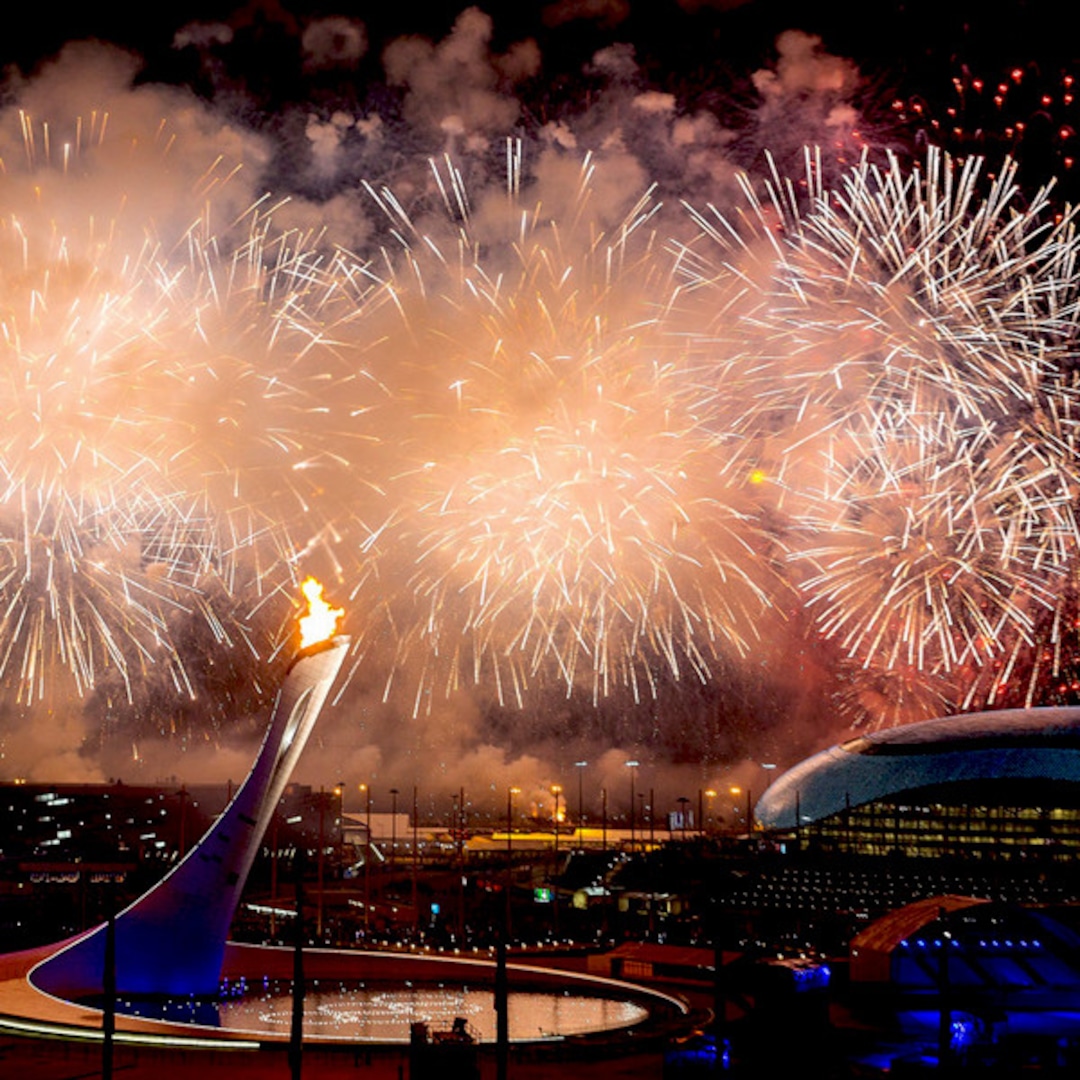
[[152, 403], [911, 338], [551, 447], [563, 499]]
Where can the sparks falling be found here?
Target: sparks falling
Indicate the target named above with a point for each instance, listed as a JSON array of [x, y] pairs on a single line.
[[911, 333], [541, 444]]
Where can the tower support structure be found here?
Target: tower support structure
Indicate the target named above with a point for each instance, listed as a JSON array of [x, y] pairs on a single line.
[[171, 940]]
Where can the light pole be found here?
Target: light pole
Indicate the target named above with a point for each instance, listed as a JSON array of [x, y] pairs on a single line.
[[556, 790], [581, 766], [632, 766], [319, 863], [683, 801], [274, 869], [393, 829], [415, 865], [510, 793], [367, 860], [710, 794], [458, 833]]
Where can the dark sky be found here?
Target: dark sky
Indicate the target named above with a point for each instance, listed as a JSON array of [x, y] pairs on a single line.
[[908, 40], [253, 59], [703, 52]]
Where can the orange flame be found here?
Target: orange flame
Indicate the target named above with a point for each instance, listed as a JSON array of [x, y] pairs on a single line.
[[321, 619]]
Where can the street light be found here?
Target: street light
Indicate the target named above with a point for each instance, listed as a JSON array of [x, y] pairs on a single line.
[[556, 790], [393, 828], [367, 859], [735, 791], [632, 766], [510, 793], [580, 766], [710, 794], [322, 803], [457, 832], [415, 865]]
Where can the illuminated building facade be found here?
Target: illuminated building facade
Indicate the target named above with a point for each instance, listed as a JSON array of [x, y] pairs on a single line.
[[70, 852], [995, 786]]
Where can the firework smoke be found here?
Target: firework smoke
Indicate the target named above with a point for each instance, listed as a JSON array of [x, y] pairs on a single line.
[[919, 337], [586, 453]]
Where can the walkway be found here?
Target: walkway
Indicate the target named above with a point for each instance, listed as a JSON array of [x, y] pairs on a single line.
[[40, 1060]]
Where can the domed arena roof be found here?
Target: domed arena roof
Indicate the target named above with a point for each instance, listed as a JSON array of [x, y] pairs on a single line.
[[1016, 744]]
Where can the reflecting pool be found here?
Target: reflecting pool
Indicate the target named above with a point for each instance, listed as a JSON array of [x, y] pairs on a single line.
[[370, 1012]]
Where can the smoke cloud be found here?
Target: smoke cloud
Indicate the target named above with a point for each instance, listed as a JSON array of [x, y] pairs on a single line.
[[343, 144]]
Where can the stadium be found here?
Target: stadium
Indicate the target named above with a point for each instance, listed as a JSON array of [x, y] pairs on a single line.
[[983, 786], [939, 857]]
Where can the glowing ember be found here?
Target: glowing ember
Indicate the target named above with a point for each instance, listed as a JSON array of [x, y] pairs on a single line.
[[321, 619]]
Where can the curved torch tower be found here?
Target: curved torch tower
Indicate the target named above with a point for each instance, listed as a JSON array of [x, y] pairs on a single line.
[[172, 939]]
